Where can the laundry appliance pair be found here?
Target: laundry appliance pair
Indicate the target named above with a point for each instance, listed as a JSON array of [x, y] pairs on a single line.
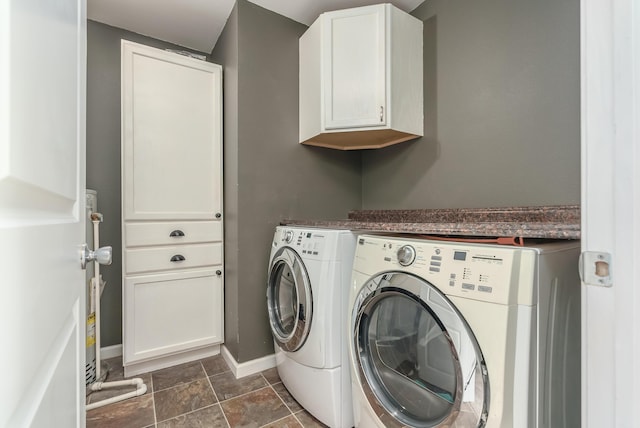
[[424, 333]]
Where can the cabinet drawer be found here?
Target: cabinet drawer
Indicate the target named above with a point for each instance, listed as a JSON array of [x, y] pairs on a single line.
[[171, 233], [138, 260], [173, 312]]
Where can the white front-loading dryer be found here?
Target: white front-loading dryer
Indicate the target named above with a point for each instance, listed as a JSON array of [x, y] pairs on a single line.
[[448, 334], [307, 298]]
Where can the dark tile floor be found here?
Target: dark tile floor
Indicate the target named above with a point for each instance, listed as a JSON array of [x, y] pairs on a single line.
[[200, 394]]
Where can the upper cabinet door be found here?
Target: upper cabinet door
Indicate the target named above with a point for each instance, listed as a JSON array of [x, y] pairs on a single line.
[[171, 135], [354, 45]]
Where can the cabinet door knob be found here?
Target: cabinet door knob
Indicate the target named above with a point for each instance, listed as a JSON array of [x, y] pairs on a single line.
[[218, 272], [178, 258], [176, 233], [218, 215]]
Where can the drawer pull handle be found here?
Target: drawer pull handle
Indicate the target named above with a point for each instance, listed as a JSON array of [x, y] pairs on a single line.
[[218, 272], [176, 233], [178, 258]]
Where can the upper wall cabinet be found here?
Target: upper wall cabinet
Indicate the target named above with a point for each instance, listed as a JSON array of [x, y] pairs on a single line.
[[361, 79]]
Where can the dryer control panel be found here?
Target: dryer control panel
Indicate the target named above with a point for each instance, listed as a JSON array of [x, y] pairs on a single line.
[[310, 244], [490, 273]]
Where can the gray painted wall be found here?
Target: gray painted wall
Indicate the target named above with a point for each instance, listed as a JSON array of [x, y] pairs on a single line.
[[226, 54], [502, 110], [268, 175], [103, 156]]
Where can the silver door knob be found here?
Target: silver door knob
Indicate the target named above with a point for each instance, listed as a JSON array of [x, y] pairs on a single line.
[[102, 255]]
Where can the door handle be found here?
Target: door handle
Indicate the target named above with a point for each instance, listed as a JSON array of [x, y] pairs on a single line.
[[102, 255]]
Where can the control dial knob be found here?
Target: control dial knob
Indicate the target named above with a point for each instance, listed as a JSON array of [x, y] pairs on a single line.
[[288, 236], [406, 255]]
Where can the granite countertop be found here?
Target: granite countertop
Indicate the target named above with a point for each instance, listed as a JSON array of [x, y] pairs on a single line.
[[545, 222]]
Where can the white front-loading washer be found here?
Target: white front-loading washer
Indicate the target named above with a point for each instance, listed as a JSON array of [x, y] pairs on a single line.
[[452, 334], [307, 297]]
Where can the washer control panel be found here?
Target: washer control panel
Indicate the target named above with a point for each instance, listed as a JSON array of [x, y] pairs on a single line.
[[480, 271]]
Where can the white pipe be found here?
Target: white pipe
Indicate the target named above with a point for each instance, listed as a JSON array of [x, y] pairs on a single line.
[[96, 293], [99, 386], [141, 388]]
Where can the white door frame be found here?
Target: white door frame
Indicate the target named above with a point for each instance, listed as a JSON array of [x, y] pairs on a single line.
[[610, 76]]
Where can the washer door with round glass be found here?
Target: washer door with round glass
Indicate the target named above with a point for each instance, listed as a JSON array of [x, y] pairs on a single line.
[[289, 300], [418, 361]]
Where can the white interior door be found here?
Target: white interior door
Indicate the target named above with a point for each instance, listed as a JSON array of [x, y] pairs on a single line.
[[42, 175], [611, 210]]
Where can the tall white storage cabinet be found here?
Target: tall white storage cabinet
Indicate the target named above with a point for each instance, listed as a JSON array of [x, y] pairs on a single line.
[[171, 208]]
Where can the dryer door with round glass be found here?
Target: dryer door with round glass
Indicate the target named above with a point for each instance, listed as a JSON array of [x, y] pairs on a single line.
[[417, 360], [289, 300]]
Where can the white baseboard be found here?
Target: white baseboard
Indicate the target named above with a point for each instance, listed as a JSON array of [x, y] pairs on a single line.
[[134, 369], [111, 351], [248, 367], [239, 369]]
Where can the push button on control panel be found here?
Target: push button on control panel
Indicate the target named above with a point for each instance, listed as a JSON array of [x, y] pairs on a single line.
[[436, 262]]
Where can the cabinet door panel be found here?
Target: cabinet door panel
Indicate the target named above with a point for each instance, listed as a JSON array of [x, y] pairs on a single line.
[[354, 44], [171, 136], [169, 313]]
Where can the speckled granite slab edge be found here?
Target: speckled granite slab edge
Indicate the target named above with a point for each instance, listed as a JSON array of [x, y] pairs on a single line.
[[523, 230], [553, 222], [551, 213]]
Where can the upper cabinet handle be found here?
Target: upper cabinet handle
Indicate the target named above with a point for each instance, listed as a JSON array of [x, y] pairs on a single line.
[[176, 233], [178, 258], [218, 215], [381, 113]]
